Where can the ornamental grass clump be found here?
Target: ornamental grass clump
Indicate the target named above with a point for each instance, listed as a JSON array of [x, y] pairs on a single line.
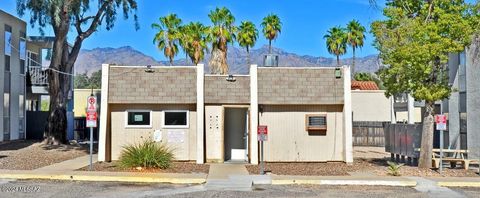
[[147, 154], [394, 168]]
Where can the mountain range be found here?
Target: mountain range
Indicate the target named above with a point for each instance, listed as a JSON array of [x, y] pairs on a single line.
[[90, 60]]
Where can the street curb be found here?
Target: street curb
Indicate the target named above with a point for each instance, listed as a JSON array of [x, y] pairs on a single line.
[[104, 178], [345, 182], [458, 184]]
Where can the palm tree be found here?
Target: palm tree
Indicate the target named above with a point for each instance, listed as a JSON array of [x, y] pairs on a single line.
[[271, 29], [221, 34], [183, 41], [247, 36], [355, 38], [336, 42], [168, 35], [195, 41]]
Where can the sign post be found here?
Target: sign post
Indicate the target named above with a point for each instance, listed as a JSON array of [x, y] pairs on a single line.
[[91, 121], [262, 135], [441, 125]]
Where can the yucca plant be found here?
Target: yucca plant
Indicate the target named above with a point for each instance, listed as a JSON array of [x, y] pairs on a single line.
[[147, 154], [394, 168]]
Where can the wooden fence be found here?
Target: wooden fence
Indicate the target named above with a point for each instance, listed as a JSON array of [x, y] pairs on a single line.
[[367, 133]]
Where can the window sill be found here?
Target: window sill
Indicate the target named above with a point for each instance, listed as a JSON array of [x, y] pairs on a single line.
[[138, 127], [175, 127]]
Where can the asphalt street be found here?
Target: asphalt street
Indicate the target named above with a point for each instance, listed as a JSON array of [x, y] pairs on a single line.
[[49, 188]]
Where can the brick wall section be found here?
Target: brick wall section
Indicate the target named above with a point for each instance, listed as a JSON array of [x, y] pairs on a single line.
[[299, 86], [219, 90], [128, 85]]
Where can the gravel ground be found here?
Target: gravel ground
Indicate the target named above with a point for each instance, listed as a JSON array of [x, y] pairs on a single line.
[[368, 161], [368, 152], [313, 168], [177, 167], [29, 155]]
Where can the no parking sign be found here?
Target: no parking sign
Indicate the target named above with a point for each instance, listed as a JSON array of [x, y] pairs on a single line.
[[441, 122], [262, 133]]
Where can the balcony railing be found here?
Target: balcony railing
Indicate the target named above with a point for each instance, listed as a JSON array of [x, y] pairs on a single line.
[[38, 75]]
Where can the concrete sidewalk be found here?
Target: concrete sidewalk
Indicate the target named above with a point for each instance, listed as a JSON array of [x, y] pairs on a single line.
[[69, 165]]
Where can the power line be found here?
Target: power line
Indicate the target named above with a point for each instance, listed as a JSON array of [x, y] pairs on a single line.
[[58, 71], [40, 64]]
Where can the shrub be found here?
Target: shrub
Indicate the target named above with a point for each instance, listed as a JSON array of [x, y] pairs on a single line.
[[147, 154], [394, 168]]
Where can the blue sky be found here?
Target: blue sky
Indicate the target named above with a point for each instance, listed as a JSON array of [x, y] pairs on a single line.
[[305, 22]]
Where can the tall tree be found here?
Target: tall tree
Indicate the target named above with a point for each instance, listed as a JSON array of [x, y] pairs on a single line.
[[195, 41], [414, 41], [336, 40], [168, 35], [183, 41], [355, 38], [247, 36], [221, 34], [83, 81], [62, 15], [363, 76], [272, 27]]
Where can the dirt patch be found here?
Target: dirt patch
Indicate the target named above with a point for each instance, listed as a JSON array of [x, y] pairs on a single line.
[[369, 152], [372, 167], [406, 170], [177, 167], [313, 168], [29, 155]]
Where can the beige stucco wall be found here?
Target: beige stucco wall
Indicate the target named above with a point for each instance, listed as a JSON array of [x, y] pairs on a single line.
[[80, 101], [121, 136], [370, 105], [288, 140]]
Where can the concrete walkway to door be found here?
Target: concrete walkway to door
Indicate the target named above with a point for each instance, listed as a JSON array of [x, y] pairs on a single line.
[[223, 171], [70, 165], [228, 177]]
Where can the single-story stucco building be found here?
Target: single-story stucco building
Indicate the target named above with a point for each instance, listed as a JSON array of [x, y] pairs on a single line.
[[214, 118]]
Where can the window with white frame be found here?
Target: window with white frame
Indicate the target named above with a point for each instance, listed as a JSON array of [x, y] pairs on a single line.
[[138, 118], [175, 119]]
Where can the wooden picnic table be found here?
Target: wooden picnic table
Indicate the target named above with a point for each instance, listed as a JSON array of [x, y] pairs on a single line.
[[450, 155]]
